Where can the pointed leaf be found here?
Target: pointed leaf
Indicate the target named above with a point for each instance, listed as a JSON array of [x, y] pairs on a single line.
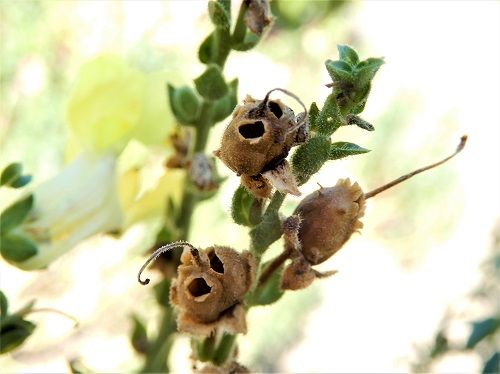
[[10, 173], [211, 84], [15, 214], [339, 71], [348, 54], [366, 71], [225, 106], [17, 248], [344, 149], [492, 366], [139, 338], [482, 329], [219, 15], [313, 115], [13, 332], [4, 305], [240, 207]]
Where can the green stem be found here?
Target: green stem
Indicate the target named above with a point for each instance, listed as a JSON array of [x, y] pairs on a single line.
[[156, 358], [276, 202], [240, 29], [225, 349]]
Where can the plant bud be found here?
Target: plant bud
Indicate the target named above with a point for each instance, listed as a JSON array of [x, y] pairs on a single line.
[[329, 217], [257, 141], [210, 288]]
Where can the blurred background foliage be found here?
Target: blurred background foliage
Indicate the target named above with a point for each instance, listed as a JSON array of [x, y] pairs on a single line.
[[423, 242]]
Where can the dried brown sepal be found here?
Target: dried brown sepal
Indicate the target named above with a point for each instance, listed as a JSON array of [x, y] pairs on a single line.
[[282, 178], [202, 173], [329, 217], [258, 16], [181, 142], [209, 290], [297, 275], [257, 185]]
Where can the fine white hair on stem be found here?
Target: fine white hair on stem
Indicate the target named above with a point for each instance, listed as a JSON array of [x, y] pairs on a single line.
[[161, 250], [291, 94]]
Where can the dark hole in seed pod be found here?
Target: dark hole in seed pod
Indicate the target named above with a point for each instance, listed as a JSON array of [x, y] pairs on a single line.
[[199, 287], [275, 108], [252, 130], [215, 263]]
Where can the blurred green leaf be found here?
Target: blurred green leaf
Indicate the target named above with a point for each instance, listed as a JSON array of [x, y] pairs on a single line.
[[12, 176], [493, 364], [139, 338], [225, 106], [17, 248], [4, 305], [348, 54], [211, 84], [204, 52], [250, 41], [270, 292], [344, 149], [310, 157], [215, 47], [162, 293], [240, 207], [13, 332], [482, 329], [360, 122], [440, 345], [15, 214], [185, 104], [219, 15]]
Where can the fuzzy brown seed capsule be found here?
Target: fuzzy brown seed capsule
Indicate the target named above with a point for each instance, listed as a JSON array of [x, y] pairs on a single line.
[[329, 217], [257, 141], [209, 290]]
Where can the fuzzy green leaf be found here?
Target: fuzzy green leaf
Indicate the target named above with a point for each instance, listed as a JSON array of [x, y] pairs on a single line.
[[482, 329], [329, 118], [13, 332], [225, 106], [348, 54], [313, 115], [16, 248], [360, 122], [266, 232], [492, 365], [366, 71], [205, 50], [270, 292], [218, 14], [15, 214], [339, 71], [139, 338], [4, 305], [344, 149], [310, 157], [216, 46], [211, 84], [185, 104], [240, 207]]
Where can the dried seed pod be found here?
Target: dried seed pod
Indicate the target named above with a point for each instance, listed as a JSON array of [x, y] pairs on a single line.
[[258, 16], [209, 289], [258, 139], [329, 216]]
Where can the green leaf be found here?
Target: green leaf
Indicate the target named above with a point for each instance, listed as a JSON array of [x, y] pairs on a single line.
[[313, 115], [310, 157], [240, 207], [185, 104], [360, 122], [266, 232], [344, 149], [329, 118], [339, 71], [218, 14], [225, 106], [482, 329], [492, 366], [4, 305], [205, 50], [15, 214], [348, 54], [162, 293], [13, 332], [139, 338], [366, 71], [270, 292], [250, 41], [22, 181], [211, 84], [440, 345], [17, 248], [215, 47], [10, 173]]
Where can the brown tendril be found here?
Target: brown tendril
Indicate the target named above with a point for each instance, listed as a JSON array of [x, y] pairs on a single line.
[[161, 250]]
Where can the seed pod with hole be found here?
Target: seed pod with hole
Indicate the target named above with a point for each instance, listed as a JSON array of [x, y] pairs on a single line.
[[257, 141], [329, 217], [210, 287]]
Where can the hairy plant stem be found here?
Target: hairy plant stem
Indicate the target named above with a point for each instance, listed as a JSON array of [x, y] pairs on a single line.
[[272, 267], [158, 351]]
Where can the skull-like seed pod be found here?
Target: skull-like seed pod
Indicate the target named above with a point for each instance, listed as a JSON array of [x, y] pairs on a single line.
[[329, 217], [210, 287], [257, 141]]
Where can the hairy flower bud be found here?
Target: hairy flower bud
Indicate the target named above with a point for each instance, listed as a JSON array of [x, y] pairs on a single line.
[[329, 217]]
